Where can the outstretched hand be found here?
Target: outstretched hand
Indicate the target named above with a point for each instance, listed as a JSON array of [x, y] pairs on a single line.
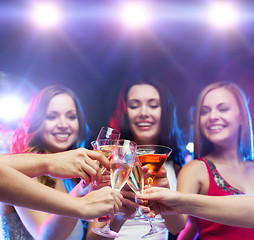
[[161, 200], [98, 203], [78, 163]]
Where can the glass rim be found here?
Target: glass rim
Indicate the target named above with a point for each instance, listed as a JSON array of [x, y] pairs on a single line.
[[154, 145], [127, 140], [110, 141], [113, 129], [113, 140]]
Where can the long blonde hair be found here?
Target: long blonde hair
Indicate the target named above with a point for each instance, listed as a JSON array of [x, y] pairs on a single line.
[[202, 146]]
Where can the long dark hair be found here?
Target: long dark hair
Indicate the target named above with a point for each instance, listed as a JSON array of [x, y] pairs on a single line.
[[170, 134]]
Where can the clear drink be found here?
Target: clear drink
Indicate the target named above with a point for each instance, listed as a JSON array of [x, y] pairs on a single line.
[[107, 151], [119, 173], [136, 179]]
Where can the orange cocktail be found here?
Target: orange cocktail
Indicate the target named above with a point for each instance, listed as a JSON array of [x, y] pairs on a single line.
[[154, 157]]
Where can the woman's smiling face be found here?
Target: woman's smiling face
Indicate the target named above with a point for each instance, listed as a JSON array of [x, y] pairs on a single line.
[[144, 113], [220, 117], [61, 127]]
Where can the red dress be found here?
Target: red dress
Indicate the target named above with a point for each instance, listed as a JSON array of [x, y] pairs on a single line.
[[214, 231]]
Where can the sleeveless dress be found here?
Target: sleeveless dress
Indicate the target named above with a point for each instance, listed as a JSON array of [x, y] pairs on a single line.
[[12, 228], [208, 230], [133, 229]]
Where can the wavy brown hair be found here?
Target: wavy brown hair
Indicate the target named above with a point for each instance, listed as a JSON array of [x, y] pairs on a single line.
[[27, 138]]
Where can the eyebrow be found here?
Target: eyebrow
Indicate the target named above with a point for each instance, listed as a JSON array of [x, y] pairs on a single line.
[[219, 105], [54, 111], [137, 100]]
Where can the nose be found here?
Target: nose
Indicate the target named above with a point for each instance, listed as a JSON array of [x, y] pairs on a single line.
[[213, 115], [144, 111], [62, 123]]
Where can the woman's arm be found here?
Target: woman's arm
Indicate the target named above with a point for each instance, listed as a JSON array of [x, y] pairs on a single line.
[[43, 225], [18, 189], [70, 164], [236, 210]]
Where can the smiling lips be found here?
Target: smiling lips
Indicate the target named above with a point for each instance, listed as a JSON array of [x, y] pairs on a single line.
[[144, 124], [61, 136], [215, 128]]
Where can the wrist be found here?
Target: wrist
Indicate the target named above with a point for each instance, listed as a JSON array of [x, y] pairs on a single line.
[[80, 208], [46, 163], [181, 203]]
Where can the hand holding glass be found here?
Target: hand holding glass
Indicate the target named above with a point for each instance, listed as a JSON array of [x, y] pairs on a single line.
[[154, 157], [120, 168]]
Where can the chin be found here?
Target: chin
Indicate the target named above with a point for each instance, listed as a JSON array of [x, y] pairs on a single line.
[[146, 140]]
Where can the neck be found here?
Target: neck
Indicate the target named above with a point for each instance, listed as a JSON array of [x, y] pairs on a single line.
[[144, 141], [229, 154]]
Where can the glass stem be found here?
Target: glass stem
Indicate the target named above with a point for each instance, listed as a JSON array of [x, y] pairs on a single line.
[[153, 228], [107, 226]]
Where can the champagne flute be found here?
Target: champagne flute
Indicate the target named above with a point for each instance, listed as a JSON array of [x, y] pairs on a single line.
[[106, 147], [104, 143], [154, 157], [108, 133], [136, 183], [120, 168]]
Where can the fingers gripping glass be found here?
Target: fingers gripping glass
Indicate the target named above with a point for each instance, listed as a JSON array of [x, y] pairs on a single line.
[[154, 157], [120, 168], [105, 143]]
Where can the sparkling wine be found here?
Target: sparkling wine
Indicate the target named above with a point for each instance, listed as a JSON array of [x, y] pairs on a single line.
[[119, 173], [154, 163], [136, 179], [107, 151]]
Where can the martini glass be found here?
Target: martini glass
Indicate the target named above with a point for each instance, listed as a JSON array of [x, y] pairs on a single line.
[[154, 157], [120, 168]]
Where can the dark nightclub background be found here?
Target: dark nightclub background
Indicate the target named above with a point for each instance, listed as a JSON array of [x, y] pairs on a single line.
[[94, 52]]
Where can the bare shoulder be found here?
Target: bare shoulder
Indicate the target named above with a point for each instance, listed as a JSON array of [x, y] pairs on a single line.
[[194, 165], [193, 177]]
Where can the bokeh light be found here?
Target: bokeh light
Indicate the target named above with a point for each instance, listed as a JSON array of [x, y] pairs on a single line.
[[223, 14], [190, 147], [46, 14], [12, 107], [134, 14]]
